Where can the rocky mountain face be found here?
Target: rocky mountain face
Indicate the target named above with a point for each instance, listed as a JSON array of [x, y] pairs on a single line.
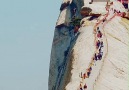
[[90, 49]]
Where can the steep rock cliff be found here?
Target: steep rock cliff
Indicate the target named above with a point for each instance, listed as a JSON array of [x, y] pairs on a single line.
[[73, 52]]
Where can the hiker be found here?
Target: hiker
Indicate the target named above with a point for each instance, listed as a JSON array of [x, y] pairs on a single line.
[[119, 13], [88, 74], [99, 56], [81, 74], [100, 52], [94, 61], [101, 43], [84, 75], [81, 87], [95, 57], [90, 68], [99, 35], [85, 87], [98, 28], [97, 44], [103, 20], [114, 10]]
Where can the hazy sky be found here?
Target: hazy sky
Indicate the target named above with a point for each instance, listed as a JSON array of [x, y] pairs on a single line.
[[26, 33]]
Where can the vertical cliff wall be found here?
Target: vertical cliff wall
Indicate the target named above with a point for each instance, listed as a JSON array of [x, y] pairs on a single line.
[[62, 44], [74, 47]]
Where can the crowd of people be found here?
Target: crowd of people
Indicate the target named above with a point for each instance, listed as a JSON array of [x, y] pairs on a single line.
[[98, 55], [99, 45]]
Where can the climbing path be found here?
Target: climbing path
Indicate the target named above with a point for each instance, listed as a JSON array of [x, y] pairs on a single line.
[[97, 61]]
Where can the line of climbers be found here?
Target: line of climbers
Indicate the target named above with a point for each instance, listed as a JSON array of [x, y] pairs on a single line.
[[98, 54], [99, 46]]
